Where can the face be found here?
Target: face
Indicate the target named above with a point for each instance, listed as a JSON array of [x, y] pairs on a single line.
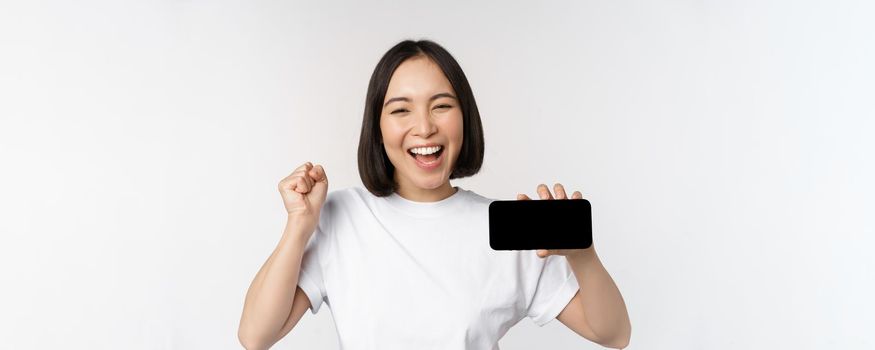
[[421, 109]]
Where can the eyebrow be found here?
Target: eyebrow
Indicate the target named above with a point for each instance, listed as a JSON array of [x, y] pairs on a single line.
[[436, 96]]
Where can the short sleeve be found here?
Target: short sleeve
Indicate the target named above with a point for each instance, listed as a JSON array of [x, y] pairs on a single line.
[[310, 278], [556, 285]]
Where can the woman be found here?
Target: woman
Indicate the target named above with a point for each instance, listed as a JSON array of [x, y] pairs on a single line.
[[406, 264]]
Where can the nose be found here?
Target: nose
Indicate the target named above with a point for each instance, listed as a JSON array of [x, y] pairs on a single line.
[[424, 126]]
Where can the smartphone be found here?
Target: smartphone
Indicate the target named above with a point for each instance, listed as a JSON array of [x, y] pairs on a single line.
[[540, 224]]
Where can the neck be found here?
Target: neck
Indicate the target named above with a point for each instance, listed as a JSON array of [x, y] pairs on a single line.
[[426, 195]]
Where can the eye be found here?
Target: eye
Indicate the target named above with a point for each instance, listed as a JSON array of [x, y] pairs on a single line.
[[398, 110], [443, 106]]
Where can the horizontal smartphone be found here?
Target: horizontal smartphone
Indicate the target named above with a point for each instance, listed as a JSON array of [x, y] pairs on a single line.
[[540, 224]]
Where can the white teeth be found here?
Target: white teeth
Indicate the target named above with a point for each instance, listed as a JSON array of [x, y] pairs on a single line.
[[425, 150]]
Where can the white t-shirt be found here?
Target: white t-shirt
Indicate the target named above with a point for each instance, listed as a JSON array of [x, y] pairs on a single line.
[[399, 274]]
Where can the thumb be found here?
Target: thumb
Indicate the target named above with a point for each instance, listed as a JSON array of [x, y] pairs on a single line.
[[320, 187]]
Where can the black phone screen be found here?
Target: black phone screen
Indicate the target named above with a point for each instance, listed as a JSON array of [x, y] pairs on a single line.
[[540, 224]]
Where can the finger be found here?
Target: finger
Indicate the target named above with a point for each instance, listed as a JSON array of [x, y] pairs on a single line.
[[301, 185], [543, 253], [522, 197], [560, 191], [304, 167], [288, 184], [286, 181], [306, 178], [544, 192], [318, 174], [576, 195], [296, 172]]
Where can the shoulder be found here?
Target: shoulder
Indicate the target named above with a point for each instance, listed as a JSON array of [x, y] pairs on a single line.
[[347, 196], [346, 200], [339, 195], [344, 207], [476, 200]]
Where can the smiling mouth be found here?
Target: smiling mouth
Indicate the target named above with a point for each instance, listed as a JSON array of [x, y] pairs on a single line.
[[427, 158]]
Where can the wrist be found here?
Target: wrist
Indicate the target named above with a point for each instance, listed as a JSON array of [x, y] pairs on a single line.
[[587, 254], [299, 226]]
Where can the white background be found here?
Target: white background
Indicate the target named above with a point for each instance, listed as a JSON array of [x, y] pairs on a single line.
[[726, 147]]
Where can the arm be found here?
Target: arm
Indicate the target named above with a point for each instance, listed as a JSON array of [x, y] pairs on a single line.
[[597, 312], [268, 312]]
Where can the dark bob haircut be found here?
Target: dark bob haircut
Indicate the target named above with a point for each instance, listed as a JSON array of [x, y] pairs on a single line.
[[375, 169]]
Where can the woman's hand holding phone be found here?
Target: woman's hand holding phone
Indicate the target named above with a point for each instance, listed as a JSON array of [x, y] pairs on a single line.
[[544, 193]]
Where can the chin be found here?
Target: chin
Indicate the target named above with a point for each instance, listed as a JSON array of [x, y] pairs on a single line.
[[430, 185]]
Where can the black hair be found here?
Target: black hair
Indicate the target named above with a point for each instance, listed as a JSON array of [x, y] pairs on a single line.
[[375, 169]]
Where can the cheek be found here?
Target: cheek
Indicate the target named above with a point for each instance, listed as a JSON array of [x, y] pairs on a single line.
[[389, 133], [393, 137], [454, 128]]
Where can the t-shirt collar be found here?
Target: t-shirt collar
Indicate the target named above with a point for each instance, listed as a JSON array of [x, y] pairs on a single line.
[[426, 209]]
